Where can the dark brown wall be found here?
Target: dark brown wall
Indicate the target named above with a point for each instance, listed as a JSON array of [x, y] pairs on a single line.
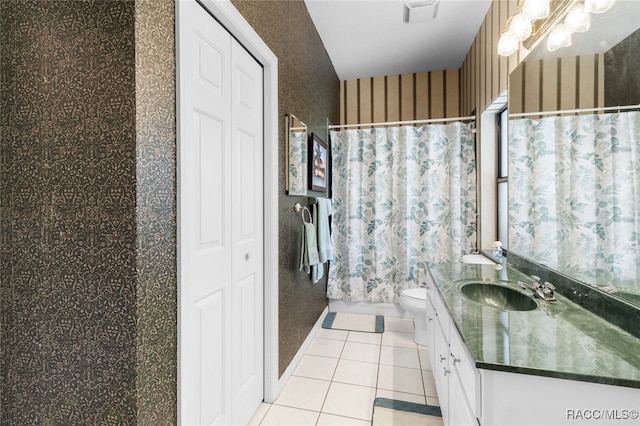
[[622, 72], [308, 87], [67, 182], [156, 291], [87, 212], [87, 204]]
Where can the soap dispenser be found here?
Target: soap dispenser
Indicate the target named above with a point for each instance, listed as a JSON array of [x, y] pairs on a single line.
[[497, 251]]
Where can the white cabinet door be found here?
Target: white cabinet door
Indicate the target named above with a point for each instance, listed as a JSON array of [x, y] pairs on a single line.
[[459, 412], [219, 224], [441, 371], [431, 315], [431, 325]]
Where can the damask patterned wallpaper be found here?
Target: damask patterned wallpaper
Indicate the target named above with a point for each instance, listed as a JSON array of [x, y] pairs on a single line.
[[87, 203], [156, 292], [309, 88], [622, 72], [87, 212]]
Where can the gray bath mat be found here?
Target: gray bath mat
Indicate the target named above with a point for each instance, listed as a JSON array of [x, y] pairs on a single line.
[[354, 322], [395, 412]]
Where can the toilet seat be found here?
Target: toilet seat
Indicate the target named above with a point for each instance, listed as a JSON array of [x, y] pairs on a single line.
[[419, 294]]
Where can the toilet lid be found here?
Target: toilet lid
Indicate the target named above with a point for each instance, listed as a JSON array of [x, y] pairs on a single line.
[[415, 293]]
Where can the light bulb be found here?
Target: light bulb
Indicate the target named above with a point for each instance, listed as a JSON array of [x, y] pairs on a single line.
[[578, 20], [536, 9], [507, 44], [520, 27], [598, 6], [558, 37]]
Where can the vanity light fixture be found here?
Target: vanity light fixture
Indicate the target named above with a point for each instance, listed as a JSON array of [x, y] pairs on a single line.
[[598, 6], [507, 44], [576, 19], [519, 27], [536, 9], [559, 37]]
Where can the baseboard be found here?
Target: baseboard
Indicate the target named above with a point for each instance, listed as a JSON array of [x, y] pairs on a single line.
[[282, 381]]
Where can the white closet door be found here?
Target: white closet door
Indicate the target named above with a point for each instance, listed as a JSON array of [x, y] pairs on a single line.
[[247, 315], [220, 233]]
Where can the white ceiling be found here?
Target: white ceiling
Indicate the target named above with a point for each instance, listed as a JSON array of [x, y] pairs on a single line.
[[367, 38]]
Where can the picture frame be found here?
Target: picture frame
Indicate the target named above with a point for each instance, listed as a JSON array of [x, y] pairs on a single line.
[[296, 175], [318, 166]]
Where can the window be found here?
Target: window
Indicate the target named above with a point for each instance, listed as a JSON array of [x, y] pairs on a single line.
[[503, 177]]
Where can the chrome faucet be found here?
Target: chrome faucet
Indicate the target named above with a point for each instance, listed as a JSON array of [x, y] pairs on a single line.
[[543, 291]]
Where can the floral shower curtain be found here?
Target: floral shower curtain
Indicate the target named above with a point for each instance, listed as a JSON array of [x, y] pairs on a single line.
[[403, 197], [574, 195]]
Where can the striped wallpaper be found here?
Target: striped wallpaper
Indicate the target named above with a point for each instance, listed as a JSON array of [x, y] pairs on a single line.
[[485, 75], [557, 84], [416, 96], [482, 78], [437, 94]]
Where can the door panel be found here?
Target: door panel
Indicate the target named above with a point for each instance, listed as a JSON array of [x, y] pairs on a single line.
[[220, 230], [211, 357], [211, 62], [204, 206], [247, 234], [212, 183]]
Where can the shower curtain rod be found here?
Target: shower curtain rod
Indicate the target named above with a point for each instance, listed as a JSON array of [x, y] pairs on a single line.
[[574, 111], [400, 123]]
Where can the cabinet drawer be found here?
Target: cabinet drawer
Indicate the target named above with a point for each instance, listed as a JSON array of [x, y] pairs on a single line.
[[464, 364]]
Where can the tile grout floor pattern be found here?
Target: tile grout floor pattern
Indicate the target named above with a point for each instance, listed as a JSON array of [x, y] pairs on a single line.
[[342, 372]]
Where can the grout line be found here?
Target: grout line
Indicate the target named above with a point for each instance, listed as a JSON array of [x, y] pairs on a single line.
[[424, 385], [324, 401], [377, 381], [378, 369], [265, 414]]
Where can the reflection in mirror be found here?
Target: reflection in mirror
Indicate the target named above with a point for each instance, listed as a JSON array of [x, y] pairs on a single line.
[[296, 153], [574, 154]]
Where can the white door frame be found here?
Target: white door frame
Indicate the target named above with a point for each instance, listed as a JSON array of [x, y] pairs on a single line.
[[240, 29]]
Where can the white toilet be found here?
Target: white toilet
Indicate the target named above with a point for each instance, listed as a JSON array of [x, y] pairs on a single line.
[[414, 301]]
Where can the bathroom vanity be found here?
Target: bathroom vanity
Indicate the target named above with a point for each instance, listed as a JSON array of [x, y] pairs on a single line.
[[555, 363]]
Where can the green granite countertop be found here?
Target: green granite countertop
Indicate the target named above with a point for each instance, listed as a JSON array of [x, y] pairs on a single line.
[[559, 339]]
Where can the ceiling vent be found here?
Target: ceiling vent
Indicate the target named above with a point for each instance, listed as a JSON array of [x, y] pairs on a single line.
[[420, 11]]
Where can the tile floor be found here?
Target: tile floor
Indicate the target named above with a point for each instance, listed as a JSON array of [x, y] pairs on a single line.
[[342, 372]]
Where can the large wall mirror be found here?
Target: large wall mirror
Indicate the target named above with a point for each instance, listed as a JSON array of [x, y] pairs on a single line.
[[296, 174], [574, 154]]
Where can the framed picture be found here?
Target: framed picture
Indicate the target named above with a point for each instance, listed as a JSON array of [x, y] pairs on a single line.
[[318, 164]]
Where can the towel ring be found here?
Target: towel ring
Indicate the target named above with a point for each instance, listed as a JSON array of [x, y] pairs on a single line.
[[305, 209], [298, 207]]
